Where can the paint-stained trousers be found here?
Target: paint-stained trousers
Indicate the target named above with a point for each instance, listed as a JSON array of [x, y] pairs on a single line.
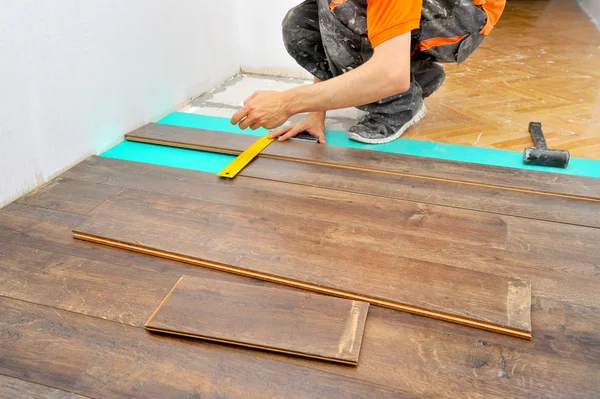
[[329, 41]]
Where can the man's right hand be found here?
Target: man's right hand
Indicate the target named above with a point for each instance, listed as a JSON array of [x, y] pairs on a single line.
[[313, 124]]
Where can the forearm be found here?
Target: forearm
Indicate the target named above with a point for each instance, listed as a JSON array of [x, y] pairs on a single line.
[[382, 76]]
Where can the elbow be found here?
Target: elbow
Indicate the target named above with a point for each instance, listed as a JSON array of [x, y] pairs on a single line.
[[398, 82]]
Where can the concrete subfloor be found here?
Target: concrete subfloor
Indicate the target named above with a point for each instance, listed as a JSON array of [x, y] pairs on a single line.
[[225, 100]]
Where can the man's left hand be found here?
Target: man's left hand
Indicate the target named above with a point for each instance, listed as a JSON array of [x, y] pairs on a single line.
[[267, 109]]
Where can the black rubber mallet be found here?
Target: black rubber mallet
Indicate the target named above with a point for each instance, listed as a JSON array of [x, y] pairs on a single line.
[[541, 155]]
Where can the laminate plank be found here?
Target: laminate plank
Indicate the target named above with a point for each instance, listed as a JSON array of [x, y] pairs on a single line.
[[274, 319], [50, 230], [556, 276], [413, 218], [378, 162], [128, 174], [11, 388], [79, 285], [95, 357], [413, 353], [66, 195], [215, 235], [417, 221]]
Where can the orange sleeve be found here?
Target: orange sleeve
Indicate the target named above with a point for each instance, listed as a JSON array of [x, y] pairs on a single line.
[[387, 19]]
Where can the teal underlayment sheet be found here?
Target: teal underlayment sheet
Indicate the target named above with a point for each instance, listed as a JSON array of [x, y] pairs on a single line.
[[213, 163]]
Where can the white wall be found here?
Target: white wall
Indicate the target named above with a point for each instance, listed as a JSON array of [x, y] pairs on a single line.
[[76, 75], [592, 7], [262, 49]]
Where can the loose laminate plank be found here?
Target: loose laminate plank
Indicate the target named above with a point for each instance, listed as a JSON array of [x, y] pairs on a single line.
[[269, 318], [513, 179], [307, 253], [104, 359]]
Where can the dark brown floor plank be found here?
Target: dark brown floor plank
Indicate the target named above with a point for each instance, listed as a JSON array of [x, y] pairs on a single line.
[[383, 213], [269, 318], [400, 350], [12, 388], [540, 268], [122, 173], [551, 277], [419, 220], [527, 180], [217, 236], [80, 285], [521, 204], [95, 357], [52, 231], [63, 194]]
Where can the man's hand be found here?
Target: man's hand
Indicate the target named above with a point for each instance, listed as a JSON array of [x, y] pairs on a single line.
[[313, 124], [268, 109]]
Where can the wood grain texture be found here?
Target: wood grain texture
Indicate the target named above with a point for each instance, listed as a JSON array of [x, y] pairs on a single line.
[[412, 218], [399, 350], [11, 388], [451, 172], [214, 235], [521, 73], [269, 318], [130, 174], [104, 359], [79, 285], [66, 195]]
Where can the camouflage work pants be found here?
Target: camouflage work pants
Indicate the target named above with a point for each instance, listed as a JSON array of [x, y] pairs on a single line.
[[329, 42]]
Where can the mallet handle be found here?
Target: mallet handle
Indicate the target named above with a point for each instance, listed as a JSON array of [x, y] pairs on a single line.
[[535, 128]]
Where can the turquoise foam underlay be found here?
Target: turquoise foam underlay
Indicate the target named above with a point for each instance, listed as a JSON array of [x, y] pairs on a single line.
[[209, 162]]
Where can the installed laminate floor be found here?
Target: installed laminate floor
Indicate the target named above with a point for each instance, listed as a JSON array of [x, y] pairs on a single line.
[[74, 312]]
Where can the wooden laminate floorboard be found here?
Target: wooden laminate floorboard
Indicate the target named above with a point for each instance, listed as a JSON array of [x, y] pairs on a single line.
[[80, 285], [412, 218], [378, 162], [543, 269], [12, 388], [130, 174], [218, 236], [269, 318], [558, 275], [399, 350], [106, 359], [65, 195]]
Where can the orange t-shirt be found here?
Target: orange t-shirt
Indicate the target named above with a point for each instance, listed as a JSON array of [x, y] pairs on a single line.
[[387, 19]]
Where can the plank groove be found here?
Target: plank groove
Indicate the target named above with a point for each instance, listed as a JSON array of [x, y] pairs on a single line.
[[451, 172], [267, 318], [214, 235]]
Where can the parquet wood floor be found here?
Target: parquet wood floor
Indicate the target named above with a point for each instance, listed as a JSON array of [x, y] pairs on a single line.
[[541, 63]]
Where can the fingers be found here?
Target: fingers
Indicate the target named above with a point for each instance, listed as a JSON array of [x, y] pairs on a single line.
[[319, 134], [240, 115], [291, 133], [246, 123], [246, 101], [278, 132]]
